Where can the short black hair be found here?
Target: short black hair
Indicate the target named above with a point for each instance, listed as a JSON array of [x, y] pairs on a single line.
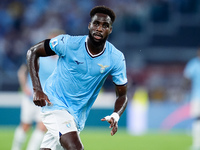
[[103, 9]]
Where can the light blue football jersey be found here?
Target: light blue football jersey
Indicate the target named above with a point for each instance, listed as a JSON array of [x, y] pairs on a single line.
[[78, 78], [192, 72]]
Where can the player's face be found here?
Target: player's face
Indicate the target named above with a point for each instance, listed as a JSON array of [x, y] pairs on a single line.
[[100, 27]]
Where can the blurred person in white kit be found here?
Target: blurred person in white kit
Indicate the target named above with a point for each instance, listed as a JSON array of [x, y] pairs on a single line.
[[192, 78], [29, 112]]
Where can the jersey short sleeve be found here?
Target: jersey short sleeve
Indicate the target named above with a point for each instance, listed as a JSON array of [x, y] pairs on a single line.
[[119, 71], [58, 44]]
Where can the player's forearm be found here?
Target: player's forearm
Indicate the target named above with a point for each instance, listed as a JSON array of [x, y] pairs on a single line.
[[120, 104], [33, 67], [121, 101]]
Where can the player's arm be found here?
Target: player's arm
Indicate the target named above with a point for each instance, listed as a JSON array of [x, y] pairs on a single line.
[[41, 49], [121, 102], [120, 106]]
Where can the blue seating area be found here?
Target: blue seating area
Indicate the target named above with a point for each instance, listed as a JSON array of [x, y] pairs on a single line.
[[141, 26]]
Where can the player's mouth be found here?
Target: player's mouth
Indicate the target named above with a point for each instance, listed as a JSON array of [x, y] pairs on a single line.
[[97, 36]]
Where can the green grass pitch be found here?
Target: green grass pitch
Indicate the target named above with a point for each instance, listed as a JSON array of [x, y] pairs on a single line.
[[100, 139]]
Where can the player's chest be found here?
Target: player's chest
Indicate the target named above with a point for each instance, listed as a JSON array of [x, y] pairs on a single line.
[[85, 64]]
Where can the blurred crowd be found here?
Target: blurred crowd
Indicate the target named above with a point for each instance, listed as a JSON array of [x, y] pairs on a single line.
[[26, 22]]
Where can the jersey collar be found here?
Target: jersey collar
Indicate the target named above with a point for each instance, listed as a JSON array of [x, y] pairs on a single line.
[[96, 55]]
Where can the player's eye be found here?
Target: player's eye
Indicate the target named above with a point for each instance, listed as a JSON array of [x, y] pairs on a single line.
[[105, 25], [95, 23]]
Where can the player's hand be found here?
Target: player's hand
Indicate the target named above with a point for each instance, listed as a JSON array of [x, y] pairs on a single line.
[[40, 98], [113, 123]]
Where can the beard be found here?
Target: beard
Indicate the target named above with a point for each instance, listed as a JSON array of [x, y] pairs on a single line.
[[99, 43]]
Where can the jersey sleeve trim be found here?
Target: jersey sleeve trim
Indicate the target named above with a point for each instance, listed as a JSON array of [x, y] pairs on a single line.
[[120, 84]]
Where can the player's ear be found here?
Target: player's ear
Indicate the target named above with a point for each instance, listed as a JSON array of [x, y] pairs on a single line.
[[110, 30]]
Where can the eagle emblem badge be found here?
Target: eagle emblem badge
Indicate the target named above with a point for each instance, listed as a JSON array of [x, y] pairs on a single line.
[[102, 69]]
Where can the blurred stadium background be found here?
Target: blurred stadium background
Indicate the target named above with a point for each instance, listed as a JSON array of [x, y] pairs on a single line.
[[157, 37]]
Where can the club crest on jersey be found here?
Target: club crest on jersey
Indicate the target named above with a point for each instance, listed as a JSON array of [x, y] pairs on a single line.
[[103, 68], [54, 42]]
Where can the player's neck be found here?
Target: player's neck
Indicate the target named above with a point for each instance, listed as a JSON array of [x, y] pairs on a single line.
[[93, 48]]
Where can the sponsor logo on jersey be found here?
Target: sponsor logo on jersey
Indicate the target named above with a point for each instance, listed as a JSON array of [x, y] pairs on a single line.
[[103, 68]]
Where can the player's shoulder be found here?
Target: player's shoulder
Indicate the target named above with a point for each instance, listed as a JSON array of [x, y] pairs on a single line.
[[69, 38], [75, 41], [70, 41], [113, 50]]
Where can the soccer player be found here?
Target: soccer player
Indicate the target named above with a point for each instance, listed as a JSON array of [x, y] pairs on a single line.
[[83, 65], [192, 75], [29, 112]]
